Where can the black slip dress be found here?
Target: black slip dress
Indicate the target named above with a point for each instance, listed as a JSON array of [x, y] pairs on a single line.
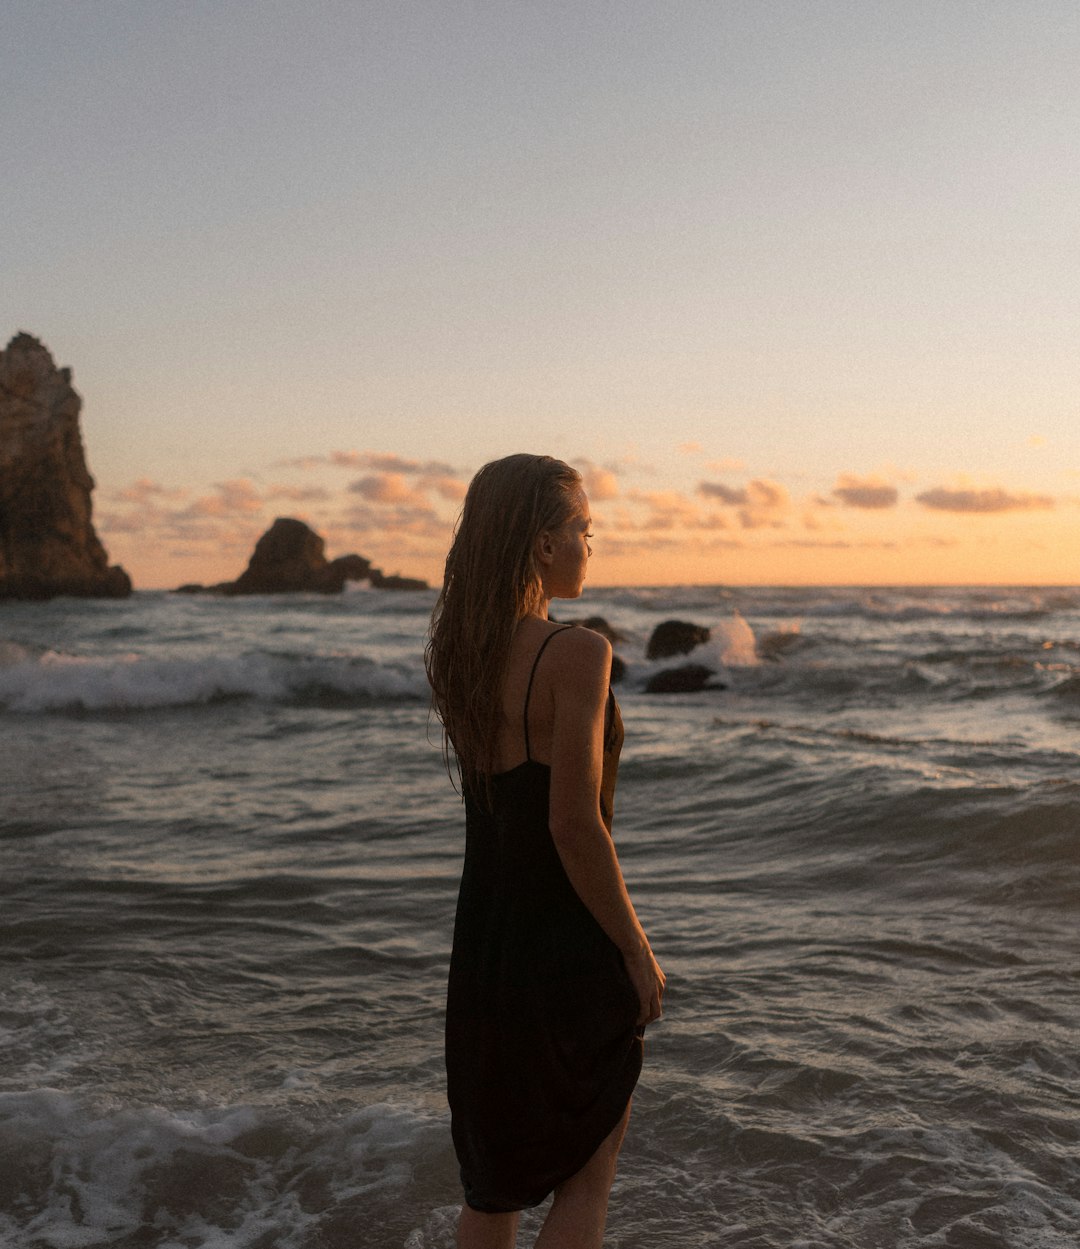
[[542, 1048]]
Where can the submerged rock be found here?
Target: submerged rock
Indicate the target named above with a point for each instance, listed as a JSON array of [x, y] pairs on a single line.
[[394, 581], [687, 679], [675, 637], [48, 545]]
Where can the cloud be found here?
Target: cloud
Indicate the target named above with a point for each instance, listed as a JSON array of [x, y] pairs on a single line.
[[717, 490], [942, 499], [389, 524], [390, 488], [690, 448], [668, 509], [301, 461], [298, 494], [766, 503], [761, 502], [621, 546], [728, 464], [145, 491], [447, 487], [837, 544], [868, 493], [600, 483], [238, 497], [376, 461], [383, 463], [763, 493]]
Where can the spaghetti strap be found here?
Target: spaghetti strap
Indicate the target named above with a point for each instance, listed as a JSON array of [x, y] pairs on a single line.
[[528, 691]]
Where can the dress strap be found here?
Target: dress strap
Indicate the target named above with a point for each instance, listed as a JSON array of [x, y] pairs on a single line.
[[528, 691]]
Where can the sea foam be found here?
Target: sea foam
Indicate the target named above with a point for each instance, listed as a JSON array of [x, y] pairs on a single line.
[[57, 682]]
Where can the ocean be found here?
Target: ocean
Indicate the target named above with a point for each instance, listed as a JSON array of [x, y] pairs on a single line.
[[228, 864]]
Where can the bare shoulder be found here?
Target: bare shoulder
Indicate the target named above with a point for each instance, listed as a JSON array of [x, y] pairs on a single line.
[[584, 657]]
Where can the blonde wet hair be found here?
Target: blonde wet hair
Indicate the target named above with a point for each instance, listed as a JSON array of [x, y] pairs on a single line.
[[491, 581]]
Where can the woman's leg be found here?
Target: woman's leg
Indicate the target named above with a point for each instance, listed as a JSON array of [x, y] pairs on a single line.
[[578, 1213], [486, 1231]]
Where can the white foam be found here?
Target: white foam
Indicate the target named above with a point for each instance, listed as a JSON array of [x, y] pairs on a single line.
[[735, 640], [220, 1179], [55, 682]]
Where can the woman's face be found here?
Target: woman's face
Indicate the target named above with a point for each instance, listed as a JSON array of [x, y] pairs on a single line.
[[570, 551]]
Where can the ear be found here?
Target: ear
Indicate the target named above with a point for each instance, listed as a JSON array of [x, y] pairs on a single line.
[[544, 548]]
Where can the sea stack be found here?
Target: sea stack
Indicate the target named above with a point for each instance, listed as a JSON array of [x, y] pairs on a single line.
[[289, 558], [47, 541]]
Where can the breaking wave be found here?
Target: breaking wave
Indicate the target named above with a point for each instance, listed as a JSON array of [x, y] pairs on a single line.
[[48, 681]]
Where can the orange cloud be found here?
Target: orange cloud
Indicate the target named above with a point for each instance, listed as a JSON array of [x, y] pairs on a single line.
[[601, 484], [388, 488], [942, 499], [383, 463], [868, 493], [238, 497], [766, 501], [447, 487], [760, 501], [389, 524], [298, 494], [377, 461], [667, 509], [144, 490]]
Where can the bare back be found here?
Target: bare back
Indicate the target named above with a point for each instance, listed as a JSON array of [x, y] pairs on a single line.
[[531, 635]]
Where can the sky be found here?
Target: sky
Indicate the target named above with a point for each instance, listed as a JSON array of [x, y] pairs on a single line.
[[795, 285]]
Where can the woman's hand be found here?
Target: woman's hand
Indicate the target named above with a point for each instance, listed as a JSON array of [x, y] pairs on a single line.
[[648, 981]]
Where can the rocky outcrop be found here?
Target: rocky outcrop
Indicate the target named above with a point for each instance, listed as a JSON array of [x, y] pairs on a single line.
[[395, 581], [289, 559], [675, 637], [47, 541], [687, 679]]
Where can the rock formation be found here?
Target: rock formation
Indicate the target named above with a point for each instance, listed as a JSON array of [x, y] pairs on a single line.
[[47, 541], [687, 679], [289, 559], [679, 637], [675, 637]]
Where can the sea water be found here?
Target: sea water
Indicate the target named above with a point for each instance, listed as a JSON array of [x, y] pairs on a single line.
[[228, 863]]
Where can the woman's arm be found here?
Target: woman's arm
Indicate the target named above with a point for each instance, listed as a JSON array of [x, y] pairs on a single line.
[[579, 684]]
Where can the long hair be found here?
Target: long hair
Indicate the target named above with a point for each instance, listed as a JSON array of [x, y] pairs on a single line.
[[491, 581]]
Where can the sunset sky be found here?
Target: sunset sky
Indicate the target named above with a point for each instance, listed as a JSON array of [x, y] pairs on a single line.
[[796, 285]]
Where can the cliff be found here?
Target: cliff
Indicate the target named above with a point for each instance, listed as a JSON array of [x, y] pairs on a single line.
[[47, 541]]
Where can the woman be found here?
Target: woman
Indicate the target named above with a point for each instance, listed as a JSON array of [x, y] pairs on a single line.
[[551, 979]]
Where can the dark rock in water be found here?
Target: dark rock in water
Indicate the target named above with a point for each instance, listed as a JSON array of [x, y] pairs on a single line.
[[598, 625], [352, 568], [289, 559], [618, 669], [382, 581], [776, 645], [675, 637], [48, 545], [685, 680]]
